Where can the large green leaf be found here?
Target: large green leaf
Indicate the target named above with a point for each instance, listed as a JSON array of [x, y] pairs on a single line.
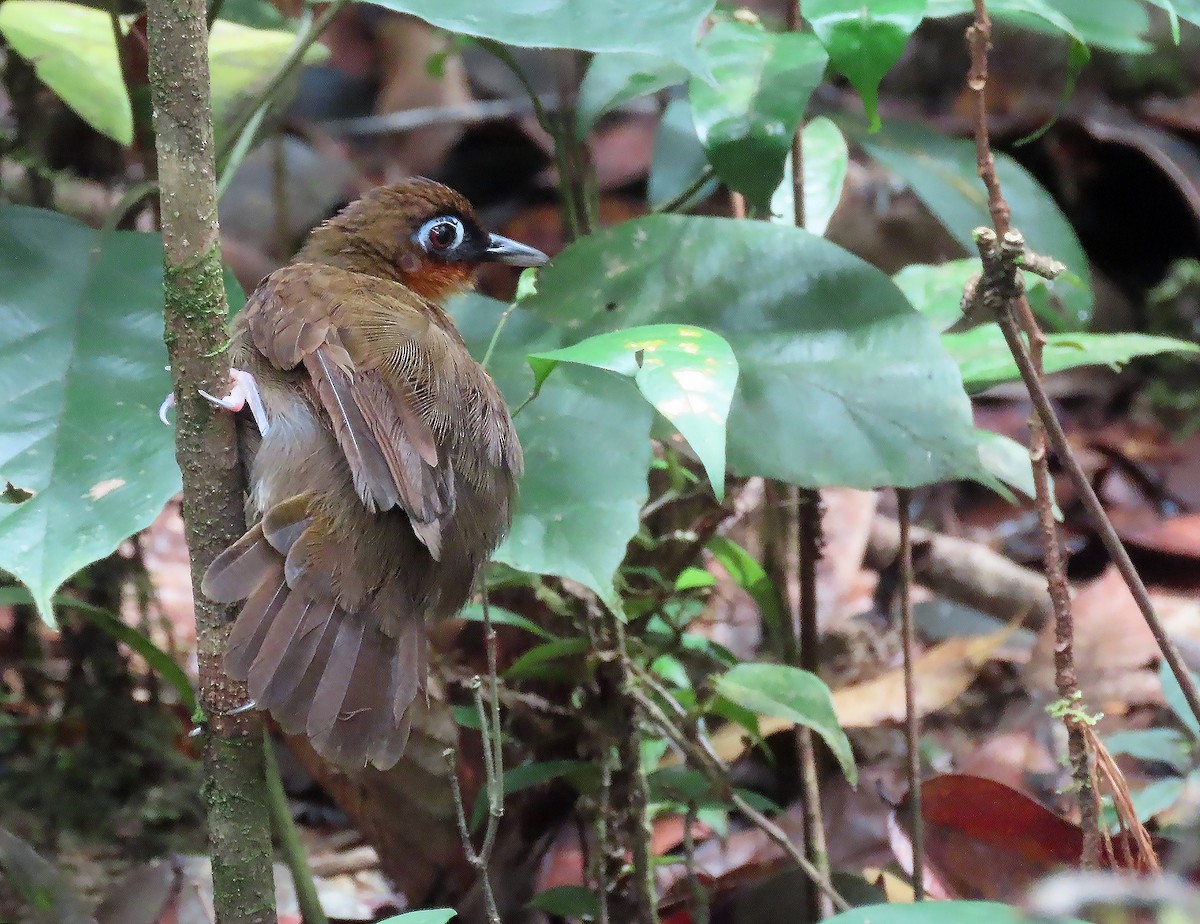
[[864, 40], [840, 382], [614, 79], [826, 161], [82, 372], [686, 372], [668, 30], [789, 693], [587, 450], [941, 171], [74, 52], [72, 49], [934, 913], [746, 118], [984, 359]]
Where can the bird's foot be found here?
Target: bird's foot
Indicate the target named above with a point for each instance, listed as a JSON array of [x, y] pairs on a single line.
[[244, 393]]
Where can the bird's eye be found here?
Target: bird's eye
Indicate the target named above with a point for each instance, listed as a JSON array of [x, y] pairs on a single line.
[[441, 235]]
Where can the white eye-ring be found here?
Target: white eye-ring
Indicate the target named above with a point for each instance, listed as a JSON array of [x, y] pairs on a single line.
[[441, 235]]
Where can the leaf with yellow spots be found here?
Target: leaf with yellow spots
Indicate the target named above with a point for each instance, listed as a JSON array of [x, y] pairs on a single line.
[[687, 373]]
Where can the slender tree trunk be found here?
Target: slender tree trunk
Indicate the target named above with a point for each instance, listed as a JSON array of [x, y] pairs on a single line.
[[239, 824]]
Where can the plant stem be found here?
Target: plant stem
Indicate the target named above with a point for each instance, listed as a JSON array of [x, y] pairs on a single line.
[[239, 824], [979, 42], [700, 753], [288, 837], [270, 92], [806, 506], [912, 724], [493, 767], [1099, 519], [674, 205], [699, 909]]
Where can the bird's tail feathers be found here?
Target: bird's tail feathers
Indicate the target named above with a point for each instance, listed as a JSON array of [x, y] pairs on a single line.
[[332, 675]]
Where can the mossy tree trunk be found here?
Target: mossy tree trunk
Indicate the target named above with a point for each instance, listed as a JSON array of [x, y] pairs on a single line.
[[239, 825]]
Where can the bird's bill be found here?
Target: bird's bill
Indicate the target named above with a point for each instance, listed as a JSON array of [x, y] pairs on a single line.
[[505, 250]]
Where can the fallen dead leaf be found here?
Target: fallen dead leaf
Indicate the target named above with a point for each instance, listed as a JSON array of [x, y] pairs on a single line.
[[1115, 653], [942, 675]]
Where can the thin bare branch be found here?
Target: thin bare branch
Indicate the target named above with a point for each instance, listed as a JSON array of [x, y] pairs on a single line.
[[912, 720]]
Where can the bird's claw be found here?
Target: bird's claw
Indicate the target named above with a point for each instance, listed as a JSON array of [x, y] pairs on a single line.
[[168, 403], [244, 393], [244, 707]]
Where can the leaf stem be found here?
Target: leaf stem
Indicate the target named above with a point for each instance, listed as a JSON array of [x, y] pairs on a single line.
[[290, 844], [706, 176]]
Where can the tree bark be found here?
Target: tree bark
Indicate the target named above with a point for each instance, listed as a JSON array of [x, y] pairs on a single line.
[[206, 447]]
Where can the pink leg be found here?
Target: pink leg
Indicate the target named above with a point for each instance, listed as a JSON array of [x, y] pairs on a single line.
[[244, 393]]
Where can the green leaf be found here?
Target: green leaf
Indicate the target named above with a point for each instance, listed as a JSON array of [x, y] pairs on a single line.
[[826, 160], [120, 631], [789, 693], [984, 359], [826, 344], [1021, 11], [1007, 460], [428, 916], [1173, 694], [242, 60], [1160, 745], [473, 612], [747, 117], [679, 160], [72, 49], [535, 773], [941, 171], [538, 662], [1114, 25], [668, 30], [965, 912], [1151, 799], [614, 79], [74, 52], [567, 902], [864, 40], [751, 577], [161, 662], [937, 290], [587, 451], [82, 373], [1172, 14], [687, 373], [261, 14]]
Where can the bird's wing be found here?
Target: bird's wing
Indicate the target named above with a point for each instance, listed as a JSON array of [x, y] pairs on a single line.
[[326, 320]]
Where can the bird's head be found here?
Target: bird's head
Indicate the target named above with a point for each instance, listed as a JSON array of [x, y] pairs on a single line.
[[420, 233]]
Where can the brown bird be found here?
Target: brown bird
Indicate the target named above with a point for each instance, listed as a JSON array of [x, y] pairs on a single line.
[[381, 458]]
